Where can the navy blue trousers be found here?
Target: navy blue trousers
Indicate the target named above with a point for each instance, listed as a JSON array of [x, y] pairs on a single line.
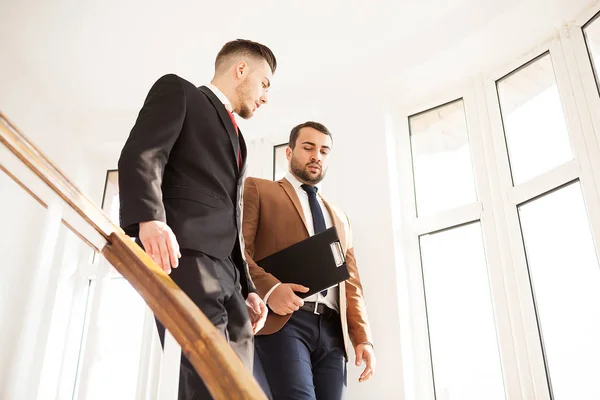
[[304, 360]]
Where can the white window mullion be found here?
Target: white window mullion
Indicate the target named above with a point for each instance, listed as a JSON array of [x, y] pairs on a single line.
[[585, 91], [447, 219], [168, 386], [584, 151], [578, 68], [73, 339], [544, 183], [525, 297], [89, 342], [577, 116], [527, 345], [413, 322], [496, 247], [147, 380]]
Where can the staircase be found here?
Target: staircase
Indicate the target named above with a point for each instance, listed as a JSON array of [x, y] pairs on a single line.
[[207, 350]]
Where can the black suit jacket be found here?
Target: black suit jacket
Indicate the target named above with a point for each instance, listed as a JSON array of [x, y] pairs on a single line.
[[179, 165]]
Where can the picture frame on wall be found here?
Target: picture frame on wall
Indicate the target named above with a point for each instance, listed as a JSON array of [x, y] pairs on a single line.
[[280, 163]]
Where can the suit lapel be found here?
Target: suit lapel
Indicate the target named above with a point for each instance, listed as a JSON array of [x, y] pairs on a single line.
[[337, 223], [244, 152], [226, 119], [341, 231], [291, 192]]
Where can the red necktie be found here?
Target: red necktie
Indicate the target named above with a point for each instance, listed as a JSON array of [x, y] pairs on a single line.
[[238, 134]]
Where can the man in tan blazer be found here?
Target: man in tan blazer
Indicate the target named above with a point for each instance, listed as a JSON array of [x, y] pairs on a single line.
[[304, 344]]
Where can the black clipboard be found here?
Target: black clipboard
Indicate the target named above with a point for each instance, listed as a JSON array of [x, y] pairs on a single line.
[[317, 263]]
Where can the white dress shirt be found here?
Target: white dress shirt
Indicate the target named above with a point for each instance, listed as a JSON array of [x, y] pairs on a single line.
[[220, 96], [331, 300]]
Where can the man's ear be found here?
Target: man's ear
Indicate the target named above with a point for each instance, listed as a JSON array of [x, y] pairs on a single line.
[[241, 69]]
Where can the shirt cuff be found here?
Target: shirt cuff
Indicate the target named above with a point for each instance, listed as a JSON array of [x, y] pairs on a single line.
[[270, 291]]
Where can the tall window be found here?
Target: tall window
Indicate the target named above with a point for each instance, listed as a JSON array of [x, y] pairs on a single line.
[[443, 172], [534, 124], [462, 338], [591, 32], [505, 194], [113, 358], [560, 253]]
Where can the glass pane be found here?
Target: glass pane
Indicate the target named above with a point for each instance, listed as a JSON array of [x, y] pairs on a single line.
[[592, 38], [441, 159], [565, 277], [534, 124], [113, 358], [110, 205], [110, 201], [464, 350], [280, 162]]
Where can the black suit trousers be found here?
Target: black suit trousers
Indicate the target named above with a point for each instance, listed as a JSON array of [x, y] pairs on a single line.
[[214, 285]]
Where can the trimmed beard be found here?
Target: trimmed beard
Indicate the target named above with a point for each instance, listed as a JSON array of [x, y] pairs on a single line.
[[302, 172], [245, 111]]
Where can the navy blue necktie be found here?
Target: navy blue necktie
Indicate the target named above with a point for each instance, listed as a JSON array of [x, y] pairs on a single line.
[[317, 213]]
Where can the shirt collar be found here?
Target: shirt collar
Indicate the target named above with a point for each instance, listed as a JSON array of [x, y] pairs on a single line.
[[220, 96], [296, 183]]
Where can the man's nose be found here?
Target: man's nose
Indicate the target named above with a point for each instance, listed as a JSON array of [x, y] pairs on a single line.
[[264, 98]]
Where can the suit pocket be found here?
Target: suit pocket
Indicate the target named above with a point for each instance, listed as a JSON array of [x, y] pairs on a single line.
[[186, 193]]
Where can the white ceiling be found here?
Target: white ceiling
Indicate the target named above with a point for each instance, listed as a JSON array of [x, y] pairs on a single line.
[[93, 58]]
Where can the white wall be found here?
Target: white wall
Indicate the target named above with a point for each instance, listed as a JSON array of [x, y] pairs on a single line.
[[22, 217], [358, 182], [18, 213]]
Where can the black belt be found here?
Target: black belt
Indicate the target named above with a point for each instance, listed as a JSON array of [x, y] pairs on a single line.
[[316, 308]]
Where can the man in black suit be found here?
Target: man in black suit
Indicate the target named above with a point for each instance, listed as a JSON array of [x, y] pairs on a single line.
[[181, 174]]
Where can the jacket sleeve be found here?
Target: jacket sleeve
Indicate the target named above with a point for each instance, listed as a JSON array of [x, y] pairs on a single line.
[[358, 324], [146, 152], [263, 280]]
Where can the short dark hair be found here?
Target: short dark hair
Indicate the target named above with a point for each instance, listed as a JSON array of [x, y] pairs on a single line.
[[248, 48], [308, 124]]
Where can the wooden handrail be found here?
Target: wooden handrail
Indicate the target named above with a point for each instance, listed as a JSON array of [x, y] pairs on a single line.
[[207, 350], [39, 164]]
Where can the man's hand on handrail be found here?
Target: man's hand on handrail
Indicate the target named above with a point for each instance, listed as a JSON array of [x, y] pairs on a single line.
[[160, 243]]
